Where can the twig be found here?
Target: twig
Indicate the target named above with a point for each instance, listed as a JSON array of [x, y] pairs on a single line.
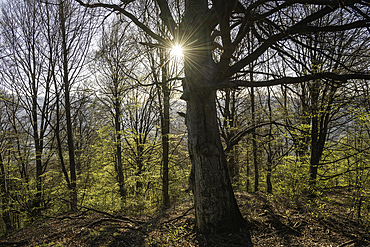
[[108, 214], [12, 243], [102, 220], [67, 216], [348, 243], [54, 235], [179, 217], [114, 220]]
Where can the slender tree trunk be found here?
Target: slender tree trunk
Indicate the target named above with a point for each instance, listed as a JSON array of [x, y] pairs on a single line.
[[303, 139], [59, 145], [269, 155], [315, 152], [165, 121], [117, 123], [57, 134], [37, 133], [234, 164], [5, 199], [39, 173], [38, 154], [254, 141], [248, 172], [71, 152], [229, 117], [319, 127], [140, 166], [121, 177]]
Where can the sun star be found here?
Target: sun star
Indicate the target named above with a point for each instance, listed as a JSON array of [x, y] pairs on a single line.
[[176, 51]]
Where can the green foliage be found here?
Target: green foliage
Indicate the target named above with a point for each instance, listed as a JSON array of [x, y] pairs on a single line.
[[170, 236], [98, 184], [290, 177], [55, 244]]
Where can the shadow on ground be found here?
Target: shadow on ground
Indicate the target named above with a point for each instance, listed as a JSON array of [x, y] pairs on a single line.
[[272, 221]]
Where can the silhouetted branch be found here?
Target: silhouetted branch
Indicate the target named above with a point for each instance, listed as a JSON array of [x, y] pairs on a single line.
[[290, 80]]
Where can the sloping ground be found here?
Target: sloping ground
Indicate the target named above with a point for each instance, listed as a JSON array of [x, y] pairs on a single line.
[[281, 222], [272, 222]]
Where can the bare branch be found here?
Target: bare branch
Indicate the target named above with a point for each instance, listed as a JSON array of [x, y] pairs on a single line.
[[127, 14], [356, 24], [289, 80], [300, 27], [237, 138], [166, 16]]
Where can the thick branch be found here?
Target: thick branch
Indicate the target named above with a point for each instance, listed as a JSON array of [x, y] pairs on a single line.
[[300, 27], [289, 80], [315, 16], [332, 3], [223, 12], [237, 138], [297, 28], [357, 24], [166, 16]]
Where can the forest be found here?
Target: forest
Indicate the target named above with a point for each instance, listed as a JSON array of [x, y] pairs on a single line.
[[131, 108]]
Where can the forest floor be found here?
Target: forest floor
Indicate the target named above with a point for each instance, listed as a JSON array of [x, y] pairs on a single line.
[[272, 221]]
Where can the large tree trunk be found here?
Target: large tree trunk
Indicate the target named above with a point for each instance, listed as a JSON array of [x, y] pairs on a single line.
[[215, 204], [319, 128]]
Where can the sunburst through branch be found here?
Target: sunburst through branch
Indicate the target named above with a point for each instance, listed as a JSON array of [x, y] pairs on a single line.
[[176, 51]]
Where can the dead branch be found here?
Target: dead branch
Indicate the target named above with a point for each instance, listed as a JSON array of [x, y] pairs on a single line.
[[281, 224], [91, 224], [108, 214], [14, 243], [179, 217], [102, 220], [348, 243]]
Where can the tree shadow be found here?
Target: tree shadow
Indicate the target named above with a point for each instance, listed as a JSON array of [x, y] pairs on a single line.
[[226, 239]]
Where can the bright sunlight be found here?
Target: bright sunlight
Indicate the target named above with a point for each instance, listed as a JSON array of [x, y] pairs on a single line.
[[177, 51]]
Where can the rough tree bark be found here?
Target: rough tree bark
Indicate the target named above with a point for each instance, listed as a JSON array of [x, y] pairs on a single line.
[[215, 203]]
